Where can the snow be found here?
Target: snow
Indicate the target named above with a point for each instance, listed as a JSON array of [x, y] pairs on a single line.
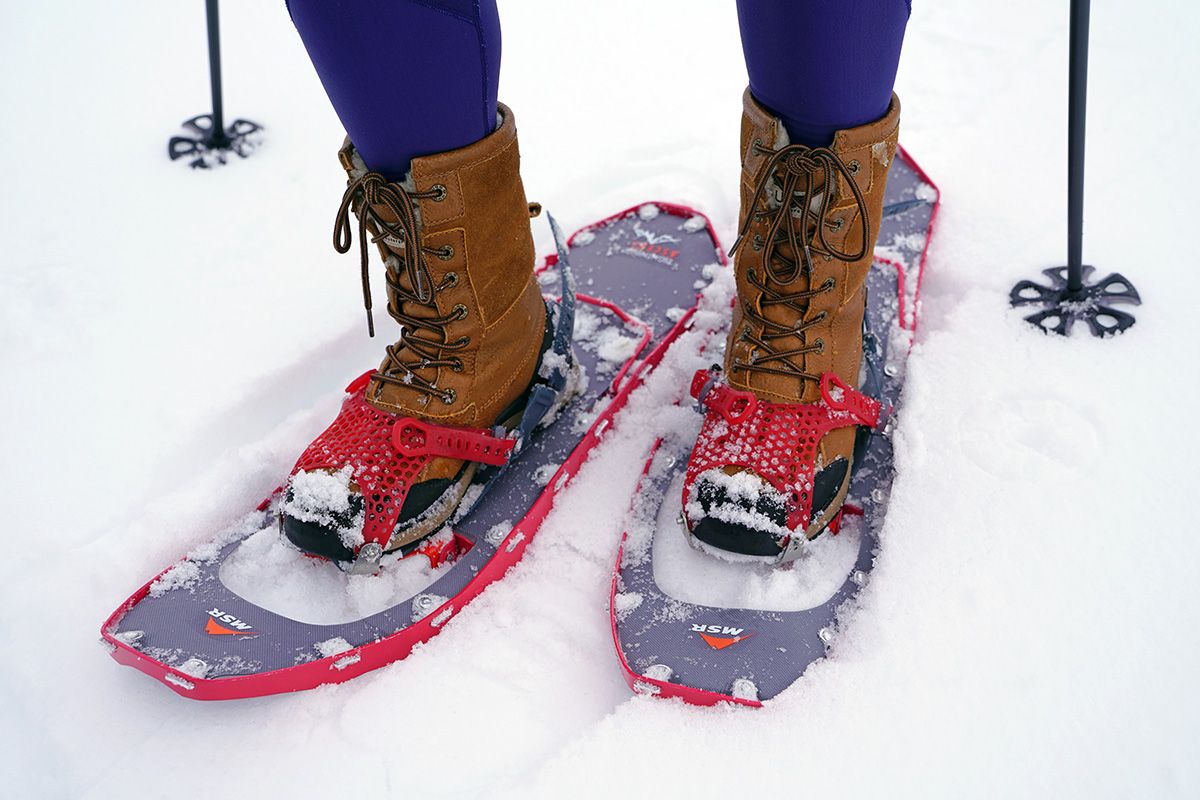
[[321, 497], [183, 575], [272, 574], [171, 340], [606, 341], [332, 647], [741, 486]]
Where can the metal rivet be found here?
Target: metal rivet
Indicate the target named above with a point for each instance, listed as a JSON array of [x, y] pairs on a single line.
[[744, 689], [424, 604], [130, 638], [194, 667], [658, 672], [441, 192]]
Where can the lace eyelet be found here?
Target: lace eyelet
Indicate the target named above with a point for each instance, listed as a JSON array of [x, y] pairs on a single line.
[[441, 192], [837, 224], [853, 167], [758, 242], [757, 147], [446, 252], [829, 284], [820, 343], [457, 366], [459, 311], [451, 279], [449, 397]]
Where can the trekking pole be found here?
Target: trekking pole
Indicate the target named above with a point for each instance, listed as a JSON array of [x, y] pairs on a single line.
[[1068, 298], [212, 140]]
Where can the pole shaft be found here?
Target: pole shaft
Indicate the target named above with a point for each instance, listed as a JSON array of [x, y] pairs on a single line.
[[1076, 129], [217, 136]]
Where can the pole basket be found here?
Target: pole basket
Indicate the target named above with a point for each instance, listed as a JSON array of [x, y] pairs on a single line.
[[207, 148], [1060, 306]]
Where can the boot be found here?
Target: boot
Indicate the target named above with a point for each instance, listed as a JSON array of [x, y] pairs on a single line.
[[459, 254], [773, 461]]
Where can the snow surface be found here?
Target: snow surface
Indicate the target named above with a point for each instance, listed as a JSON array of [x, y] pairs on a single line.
[[273, 575], [170, 341]]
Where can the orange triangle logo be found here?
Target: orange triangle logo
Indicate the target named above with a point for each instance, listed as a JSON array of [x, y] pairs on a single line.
[[213, 629], [717, 643]]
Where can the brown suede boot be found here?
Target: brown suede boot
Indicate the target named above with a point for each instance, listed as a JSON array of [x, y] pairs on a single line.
[[459, 254], [808, 223]]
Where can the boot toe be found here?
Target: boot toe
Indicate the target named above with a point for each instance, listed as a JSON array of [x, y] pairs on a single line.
[[741, 513], [322, 514]]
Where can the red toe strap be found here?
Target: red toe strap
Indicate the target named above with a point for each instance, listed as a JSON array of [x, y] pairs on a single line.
[[778, 441], [414, 438]]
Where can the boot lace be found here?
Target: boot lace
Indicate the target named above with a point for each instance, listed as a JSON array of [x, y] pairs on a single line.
[[424, 338], [796, 232]]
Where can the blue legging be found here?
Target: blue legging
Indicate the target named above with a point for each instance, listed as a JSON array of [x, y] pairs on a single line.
[[410, 78], [822, 65]]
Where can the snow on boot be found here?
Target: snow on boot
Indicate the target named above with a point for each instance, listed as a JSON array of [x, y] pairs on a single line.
[[774, 458], [459, 254]]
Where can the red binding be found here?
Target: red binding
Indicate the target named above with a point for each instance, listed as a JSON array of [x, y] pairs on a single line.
[[778, 441]]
